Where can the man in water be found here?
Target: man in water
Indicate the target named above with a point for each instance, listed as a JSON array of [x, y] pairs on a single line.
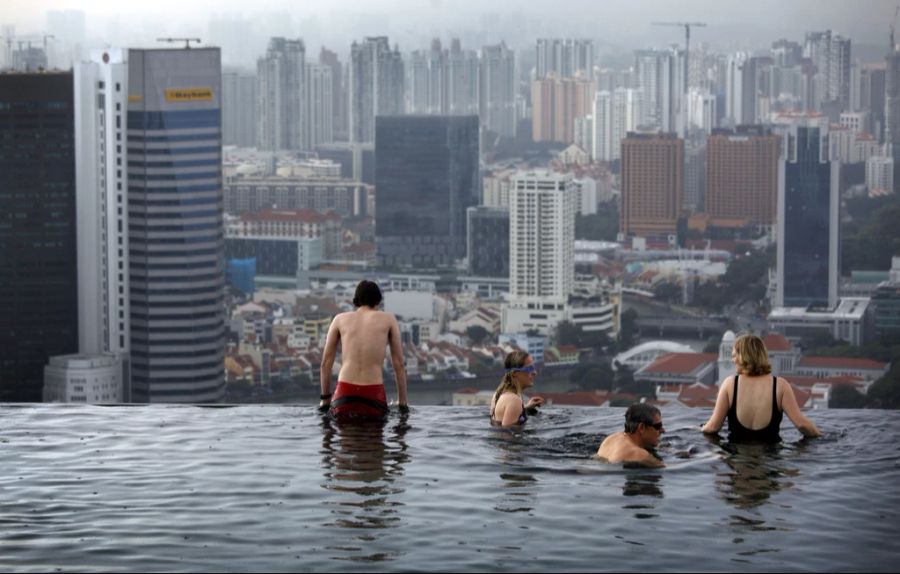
[[363, 335], [643, 427]]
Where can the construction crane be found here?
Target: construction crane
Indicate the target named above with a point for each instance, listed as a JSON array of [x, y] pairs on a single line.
[[187, 41], [687, 56]]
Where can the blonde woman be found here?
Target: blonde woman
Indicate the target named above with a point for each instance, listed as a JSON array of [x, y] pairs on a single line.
[[753, 400], [508, 407]]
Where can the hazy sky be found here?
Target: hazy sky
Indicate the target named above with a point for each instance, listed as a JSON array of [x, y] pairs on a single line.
[[732, 23]]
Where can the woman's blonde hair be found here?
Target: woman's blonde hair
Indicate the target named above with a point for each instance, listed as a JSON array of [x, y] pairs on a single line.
[[514, 360], [752, 356]]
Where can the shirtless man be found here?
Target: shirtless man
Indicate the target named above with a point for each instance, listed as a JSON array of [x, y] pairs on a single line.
[[363, 335], [643, 427]]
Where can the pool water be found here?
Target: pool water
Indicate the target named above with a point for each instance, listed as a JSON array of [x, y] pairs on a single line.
[[280, 488]]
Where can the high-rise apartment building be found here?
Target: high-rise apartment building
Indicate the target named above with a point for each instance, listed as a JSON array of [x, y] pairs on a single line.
[[175, 220], [427, 81], [652, 184], [376, 86], [37, 235], [742, 174], [892, 110], [239, 114], [808, 218], [556, 103], [741, 89], [831, 56], [426, 176], [564, 58], [338, 93], [462, 80], [497, 90], [615, 114], [871, 97], [660, 79], [282, 103], [542, 208]]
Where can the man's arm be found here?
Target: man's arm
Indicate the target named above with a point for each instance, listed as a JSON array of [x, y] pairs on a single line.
[[397, 362], [331, 342]]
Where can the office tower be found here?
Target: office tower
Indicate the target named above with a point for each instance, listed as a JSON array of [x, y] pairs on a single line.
[[831, 56], [652, 184], [497, 90], [101, 107], [426, 176], [282, 89], [338, 93], [239, 114], [786, 53], [808, 218], [175, 233], [564, 58], [542, 208], [462, 81], [892, 110], [742, 174], [376, 86], [37, 234], [871, 98], [556, 103], [615, 114], [488, 241]]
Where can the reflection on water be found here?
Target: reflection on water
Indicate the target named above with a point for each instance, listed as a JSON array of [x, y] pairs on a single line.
[[363, 465], [518, 488], [643, 484]]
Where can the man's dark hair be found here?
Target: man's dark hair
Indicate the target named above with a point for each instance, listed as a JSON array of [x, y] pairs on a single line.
[[639, 413], [367, 294]]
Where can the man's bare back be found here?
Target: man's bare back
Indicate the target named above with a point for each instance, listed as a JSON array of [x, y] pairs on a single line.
[[363, 335]]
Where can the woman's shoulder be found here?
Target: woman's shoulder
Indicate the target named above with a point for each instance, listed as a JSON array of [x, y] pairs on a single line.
[[509, 397]]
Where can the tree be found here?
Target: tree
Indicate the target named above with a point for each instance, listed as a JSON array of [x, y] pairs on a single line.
[[846, 397], [477, 334]]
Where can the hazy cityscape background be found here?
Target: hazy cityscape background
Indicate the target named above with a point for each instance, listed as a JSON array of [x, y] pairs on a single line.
[[189, 194]]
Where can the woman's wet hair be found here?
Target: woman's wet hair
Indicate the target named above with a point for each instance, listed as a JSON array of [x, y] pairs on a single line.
[[514, 360], [368, 294], [639, 413], [752, 356]]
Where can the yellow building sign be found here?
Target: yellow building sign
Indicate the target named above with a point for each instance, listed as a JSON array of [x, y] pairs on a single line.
[[189, 94], [135, 98]]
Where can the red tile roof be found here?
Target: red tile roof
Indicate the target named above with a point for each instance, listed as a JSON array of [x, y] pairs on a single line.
[[777, 342], [567, 349], [578, 398], [841, 363], [684, 363]]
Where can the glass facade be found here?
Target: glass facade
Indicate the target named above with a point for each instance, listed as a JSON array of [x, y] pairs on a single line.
[[488, 241], [807, 221], [426, 176], [176, 234], [37, 229]]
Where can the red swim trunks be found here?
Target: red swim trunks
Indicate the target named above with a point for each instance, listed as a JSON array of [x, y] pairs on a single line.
[[359, 400]]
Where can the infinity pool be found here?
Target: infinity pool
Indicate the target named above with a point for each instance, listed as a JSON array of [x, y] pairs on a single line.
[[279, 488]]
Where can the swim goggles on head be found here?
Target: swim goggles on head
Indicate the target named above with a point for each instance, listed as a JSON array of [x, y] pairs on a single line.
[[527, 370]]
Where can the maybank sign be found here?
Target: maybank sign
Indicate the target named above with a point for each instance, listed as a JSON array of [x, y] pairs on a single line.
[[189, 94]]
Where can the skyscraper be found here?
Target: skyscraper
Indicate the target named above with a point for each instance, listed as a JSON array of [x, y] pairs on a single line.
[[497, 91], [282, 96], [101, 105], [564, 58], [426, 176], [37, 233], [462, 81], [488, 241], [376, 86], [176, 241], [742, 174], [338, 93], [542, 208], [556, 103], [615, 114], [652, 184], [239, 114], [892, 110], [831, 55], [808, 218]]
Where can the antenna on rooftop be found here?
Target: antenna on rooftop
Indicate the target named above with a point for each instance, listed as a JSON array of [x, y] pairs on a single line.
[[187, 41]]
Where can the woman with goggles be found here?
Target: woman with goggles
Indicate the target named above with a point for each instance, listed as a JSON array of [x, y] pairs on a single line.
[[508, 406]]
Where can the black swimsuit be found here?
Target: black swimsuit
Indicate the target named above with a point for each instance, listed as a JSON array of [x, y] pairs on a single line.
[[739, 433]]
